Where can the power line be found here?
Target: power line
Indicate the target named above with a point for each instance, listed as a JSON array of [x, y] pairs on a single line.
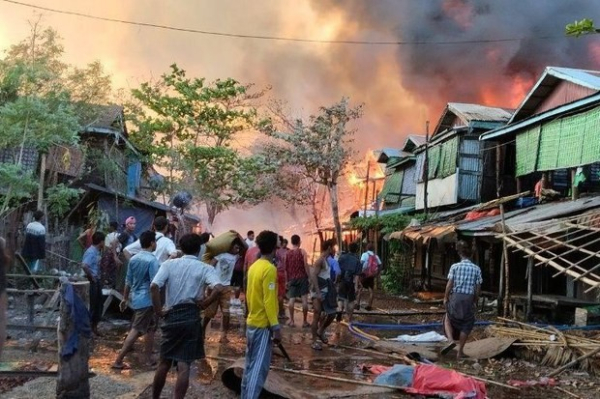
[[275, 38]]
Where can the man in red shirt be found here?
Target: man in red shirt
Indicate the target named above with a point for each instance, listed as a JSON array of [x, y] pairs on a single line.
[[297, 269]]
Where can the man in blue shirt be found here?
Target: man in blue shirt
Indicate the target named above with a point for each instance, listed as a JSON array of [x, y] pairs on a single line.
[[143, 266], [91, 268]]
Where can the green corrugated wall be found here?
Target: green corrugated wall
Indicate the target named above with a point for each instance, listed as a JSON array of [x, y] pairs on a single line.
[[562, 143]]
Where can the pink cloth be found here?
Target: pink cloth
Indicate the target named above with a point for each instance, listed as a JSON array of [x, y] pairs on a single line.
[[129, 220], [431, 380]]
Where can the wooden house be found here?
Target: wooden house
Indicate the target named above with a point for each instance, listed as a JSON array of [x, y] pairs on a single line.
[[461, 169], [399, 190]]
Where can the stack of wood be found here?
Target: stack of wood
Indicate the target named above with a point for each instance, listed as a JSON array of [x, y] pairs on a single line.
[[550, 346]]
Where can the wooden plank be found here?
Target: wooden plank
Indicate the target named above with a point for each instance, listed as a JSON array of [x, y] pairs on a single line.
[[29, 292], [571, 273], [27, 270]]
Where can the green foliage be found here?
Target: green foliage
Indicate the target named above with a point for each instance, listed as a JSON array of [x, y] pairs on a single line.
[[16, 184], [396, 279], [189, 127], [61, 199], [43, 101], [583, 27]]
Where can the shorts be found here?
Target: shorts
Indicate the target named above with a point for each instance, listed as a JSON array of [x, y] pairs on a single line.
[[368, 282], [347, 291], [298, 287], [222, 302], [144, 320], [237, 279], [281, 282]]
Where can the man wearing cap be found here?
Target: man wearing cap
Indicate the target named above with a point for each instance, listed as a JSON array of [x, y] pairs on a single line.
[[128, 236]]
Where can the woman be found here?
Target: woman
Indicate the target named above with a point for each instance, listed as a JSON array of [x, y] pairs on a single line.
[[324, 295]]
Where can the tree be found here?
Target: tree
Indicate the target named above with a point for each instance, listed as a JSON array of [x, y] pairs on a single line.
[[583, 27], [44, 102], [190, 127], [319, 149]]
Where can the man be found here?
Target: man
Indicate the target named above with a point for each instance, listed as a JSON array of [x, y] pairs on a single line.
[[91, 268], [34, 247], [205, 237], [185, 279], [297, 270], [165, 247], [324, 295], [262, 322], [371, 267], [128, 235], [224, 264], [142, 268], [280, 254], [110, 262], [460, 299], [250, 239], [351, 268]]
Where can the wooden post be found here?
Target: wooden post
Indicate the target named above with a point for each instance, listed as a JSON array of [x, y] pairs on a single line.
[[73, 378], [426, 171], [505, 265], [529, 289], [367, 189], [574, 188]]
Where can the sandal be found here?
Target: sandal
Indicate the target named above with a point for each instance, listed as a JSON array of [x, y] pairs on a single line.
[[323, 338], [316, 346], [120, 366], [306, 325], [448, 348], [291, 324]]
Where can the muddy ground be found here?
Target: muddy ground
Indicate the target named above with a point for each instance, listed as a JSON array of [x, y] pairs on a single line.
[[23, 351]]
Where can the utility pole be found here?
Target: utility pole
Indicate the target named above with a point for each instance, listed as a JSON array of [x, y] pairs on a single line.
[[426, 169], [367, 188]]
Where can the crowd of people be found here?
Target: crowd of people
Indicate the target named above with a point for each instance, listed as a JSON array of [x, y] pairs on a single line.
[[182, 287]]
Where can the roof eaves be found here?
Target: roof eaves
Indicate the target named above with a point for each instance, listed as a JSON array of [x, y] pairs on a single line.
[[504, 130]]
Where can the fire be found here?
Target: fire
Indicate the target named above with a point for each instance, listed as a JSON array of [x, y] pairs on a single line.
[[354, 180]]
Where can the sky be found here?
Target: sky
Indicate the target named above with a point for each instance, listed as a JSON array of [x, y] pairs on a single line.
[[486, 51]]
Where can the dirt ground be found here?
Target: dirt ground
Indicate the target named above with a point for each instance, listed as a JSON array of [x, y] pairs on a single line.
[[25, 352]]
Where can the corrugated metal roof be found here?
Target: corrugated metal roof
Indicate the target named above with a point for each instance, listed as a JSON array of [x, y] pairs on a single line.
[[386, 153], [551, 77], [476, 112], [468, 113], [417, 141], [579, 105]]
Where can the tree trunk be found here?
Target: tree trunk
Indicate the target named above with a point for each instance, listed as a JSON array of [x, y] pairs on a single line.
[[40, 199], [333, 198], [73, 378]]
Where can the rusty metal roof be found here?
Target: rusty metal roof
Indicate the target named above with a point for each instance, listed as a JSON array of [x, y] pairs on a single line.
[[468, 113], [551, 77]]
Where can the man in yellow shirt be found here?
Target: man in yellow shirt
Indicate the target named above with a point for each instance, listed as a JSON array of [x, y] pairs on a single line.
[[262, 323]]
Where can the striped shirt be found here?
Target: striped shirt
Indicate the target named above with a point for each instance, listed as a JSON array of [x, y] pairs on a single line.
[[465, 275]]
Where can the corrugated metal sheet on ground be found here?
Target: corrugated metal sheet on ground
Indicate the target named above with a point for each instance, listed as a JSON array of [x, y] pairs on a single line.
[[550, 211]]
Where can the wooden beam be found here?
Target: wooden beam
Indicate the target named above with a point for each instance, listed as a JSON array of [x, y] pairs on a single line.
[[586, 280], [584, 250], [583, 227]]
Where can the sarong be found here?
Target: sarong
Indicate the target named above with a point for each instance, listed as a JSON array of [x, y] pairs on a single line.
[[182, 338], [461, 312]]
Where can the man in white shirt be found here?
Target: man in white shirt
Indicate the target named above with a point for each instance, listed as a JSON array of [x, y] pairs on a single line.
[[165, 247], [185, 280], [250, 239], [369, 261], [224, 265]]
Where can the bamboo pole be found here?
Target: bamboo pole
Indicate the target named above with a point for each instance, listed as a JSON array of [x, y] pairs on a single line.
[[574, 362]]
